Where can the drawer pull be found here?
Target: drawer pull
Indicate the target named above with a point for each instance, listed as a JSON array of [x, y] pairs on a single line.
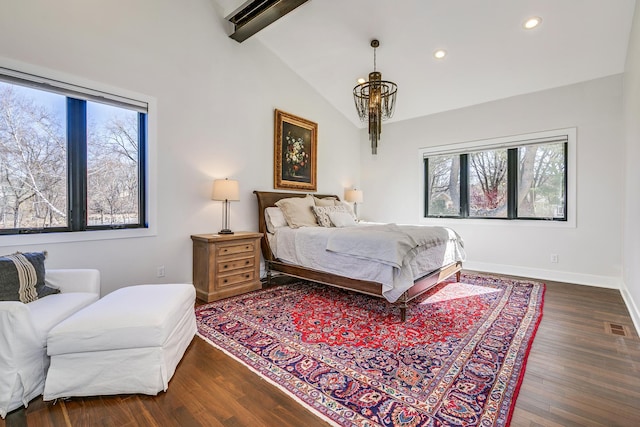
[[225, 266], [247, 276], [247, 262], [225, 281]]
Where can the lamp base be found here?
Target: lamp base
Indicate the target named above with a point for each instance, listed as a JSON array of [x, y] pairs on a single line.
[[225, 231]]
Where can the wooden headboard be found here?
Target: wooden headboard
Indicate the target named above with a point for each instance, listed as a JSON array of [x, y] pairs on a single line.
[[267, 199]]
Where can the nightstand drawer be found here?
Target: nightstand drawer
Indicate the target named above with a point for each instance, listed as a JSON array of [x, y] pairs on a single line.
[[235, 249], [235, 279], [236, 263]]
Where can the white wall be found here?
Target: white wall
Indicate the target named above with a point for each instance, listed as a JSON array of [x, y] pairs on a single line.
[[631, 290], [590, 253], [215, 101]]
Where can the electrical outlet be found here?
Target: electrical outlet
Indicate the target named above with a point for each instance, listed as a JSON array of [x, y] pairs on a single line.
[[160, 271], [554, 258]]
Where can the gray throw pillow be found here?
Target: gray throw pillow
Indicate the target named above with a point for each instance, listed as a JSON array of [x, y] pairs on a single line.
[[22, 277]]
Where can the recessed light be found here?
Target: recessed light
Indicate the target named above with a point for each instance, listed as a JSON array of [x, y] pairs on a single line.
[[532, 22], [440, 53], [361, 80]]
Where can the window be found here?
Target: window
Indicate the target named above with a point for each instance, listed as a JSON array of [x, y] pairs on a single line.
[[542, 181], [444, 185], [512, 178], [487, 172], [112, 165], [71, 158]]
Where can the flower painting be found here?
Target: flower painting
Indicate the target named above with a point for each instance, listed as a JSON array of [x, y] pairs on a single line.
[[294, 152], [296, 158]]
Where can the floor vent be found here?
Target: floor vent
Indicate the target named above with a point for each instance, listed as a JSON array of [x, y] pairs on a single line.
[[616, 329]]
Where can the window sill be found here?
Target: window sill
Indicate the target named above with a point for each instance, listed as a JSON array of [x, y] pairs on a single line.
[[79, 236], [452, 222]]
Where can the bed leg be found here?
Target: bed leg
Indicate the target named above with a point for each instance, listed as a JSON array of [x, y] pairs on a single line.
[[403, 313], [266, 265], [458, 276]]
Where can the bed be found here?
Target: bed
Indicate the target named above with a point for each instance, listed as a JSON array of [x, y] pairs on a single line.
[[302, 253]]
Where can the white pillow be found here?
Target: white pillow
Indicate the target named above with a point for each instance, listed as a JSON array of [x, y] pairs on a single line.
[[325, 201], [342, 219], [275, 219], [322, 213], [348, 206], [297, 211]]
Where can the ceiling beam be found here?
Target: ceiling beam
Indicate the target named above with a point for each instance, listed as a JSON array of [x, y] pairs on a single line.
[[255, 15]]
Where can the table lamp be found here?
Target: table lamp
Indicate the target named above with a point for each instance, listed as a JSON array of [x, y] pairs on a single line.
[[354, 196], [225, 190]]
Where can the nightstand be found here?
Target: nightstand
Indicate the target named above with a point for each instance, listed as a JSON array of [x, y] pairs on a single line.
[[225, 265]]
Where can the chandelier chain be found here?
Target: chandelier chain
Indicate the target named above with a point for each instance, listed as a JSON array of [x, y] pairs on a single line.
[[374, 59]]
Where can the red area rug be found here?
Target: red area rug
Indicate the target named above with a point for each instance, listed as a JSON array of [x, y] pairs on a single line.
[[458, 360]]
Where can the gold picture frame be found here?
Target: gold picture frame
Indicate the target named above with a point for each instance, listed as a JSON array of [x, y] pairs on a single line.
[[295, 152]]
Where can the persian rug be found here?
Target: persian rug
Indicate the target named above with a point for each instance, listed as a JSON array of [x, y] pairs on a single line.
[[457, 360]]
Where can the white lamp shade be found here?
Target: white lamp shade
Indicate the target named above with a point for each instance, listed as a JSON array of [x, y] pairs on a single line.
[[353, 196], [225, 189]]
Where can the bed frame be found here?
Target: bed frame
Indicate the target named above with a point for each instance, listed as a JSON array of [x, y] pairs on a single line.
[[268, 199]]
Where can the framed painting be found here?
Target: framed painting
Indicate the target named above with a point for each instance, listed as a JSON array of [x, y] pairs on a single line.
[[295, 152]]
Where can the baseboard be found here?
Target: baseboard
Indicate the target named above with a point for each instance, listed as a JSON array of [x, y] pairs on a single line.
[[631, 307], [541, 274]]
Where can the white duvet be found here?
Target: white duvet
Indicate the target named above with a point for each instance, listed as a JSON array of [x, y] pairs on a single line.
[[390, 254]]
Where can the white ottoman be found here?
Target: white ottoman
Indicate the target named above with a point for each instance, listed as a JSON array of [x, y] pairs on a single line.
[[130, 341]]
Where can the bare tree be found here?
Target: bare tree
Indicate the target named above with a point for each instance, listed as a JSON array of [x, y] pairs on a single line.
[[32, 161], [444, 177], [541, 178], [490, 170], [454, 181], [540, 187], [113, 170]]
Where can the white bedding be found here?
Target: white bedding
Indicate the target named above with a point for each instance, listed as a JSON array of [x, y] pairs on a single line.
[[419, 252]]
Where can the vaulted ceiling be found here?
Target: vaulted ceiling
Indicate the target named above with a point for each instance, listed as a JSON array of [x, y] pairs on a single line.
[[489, 54]]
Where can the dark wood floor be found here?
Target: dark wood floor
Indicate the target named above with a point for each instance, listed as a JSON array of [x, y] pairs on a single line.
[[578, 374]]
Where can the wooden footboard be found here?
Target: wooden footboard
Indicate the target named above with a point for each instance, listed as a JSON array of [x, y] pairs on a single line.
[[427, 282]]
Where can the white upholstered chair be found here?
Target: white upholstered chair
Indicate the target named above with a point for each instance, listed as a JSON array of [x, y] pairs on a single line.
[[24, 329]]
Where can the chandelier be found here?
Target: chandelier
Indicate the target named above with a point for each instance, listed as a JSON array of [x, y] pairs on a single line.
[[375, 101]]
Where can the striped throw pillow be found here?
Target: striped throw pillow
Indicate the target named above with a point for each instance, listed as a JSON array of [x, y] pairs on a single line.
[[22, 277]]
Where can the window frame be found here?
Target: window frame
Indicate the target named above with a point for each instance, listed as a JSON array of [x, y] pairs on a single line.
[[86, 90], [511, 143]]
